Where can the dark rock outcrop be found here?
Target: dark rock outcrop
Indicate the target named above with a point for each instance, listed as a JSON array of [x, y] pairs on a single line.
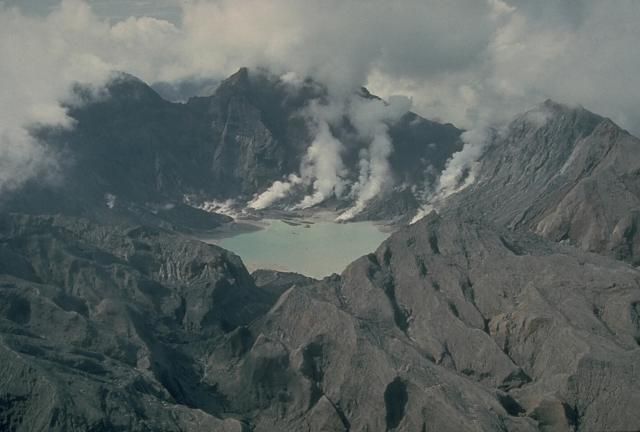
[[132, 152]]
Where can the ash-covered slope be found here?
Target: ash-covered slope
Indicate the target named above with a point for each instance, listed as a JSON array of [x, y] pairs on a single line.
[[132, 151], [555, 327], [452, 325], [100, 327], [566, 174]]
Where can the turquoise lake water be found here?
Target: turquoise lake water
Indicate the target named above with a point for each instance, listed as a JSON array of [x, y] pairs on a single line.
[[315, 250]]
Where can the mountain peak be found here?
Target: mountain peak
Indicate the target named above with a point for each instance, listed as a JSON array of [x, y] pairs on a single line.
[[366, 94], [554, 107], [551, 104], [125, 86], [238, 79], [557, 116], [237, 84]]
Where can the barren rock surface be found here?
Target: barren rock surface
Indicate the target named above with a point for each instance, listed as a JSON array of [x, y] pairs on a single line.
[[566, 174], [449, 325], [515, 308]]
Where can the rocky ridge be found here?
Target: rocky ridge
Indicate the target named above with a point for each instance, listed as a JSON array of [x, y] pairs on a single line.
[[133, 154], [451, 324], [566, 174]]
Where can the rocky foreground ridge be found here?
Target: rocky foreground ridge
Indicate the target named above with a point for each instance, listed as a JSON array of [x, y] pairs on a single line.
[[451, 324]]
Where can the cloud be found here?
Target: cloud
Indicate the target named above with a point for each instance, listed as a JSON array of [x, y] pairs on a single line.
[[43, 57], [323, 168], [469, 62], [111, 10], [39, 63], [278, 191], [371, 119], [460, 170], [576, 52], [338, 43]]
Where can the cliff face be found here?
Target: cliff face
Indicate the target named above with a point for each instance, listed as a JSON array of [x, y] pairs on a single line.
[[140, 150], [566, 174]]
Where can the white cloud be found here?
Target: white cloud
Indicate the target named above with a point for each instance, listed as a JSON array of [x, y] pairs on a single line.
[[39, 64], [43, 57], [372, 118], [574, 52], [337, 42], [470, 62], [278, 191], [323, 167], [461, 169]]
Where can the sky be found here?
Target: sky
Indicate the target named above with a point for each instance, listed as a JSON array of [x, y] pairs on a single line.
[[468, 62], [112, 10]]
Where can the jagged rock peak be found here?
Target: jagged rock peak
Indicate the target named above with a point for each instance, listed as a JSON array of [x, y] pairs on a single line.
[[240, 78], [117, 77], [122, 85], [551, 104], [557, 115], [366, 94]]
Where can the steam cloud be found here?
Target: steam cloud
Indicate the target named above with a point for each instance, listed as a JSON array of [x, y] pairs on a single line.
[[278, 191], [323, 167], [459, 172], [42, 58], [469, 62], [371, 118]]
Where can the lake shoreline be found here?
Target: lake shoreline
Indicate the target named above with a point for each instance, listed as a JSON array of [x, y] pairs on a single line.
[[312, 245]]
